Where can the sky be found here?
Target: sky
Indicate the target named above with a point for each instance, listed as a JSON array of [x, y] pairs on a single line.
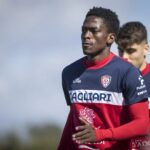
[[38, 38]]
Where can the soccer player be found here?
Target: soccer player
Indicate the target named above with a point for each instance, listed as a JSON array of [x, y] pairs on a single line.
[[107, 95], [133, 46]]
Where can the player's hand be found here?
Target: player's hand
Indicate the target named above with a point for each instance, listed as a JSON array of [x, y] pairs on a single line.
[[85, 133]]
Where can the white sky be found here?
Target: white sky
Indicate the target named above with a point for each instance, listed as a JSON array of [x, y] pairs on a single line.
[[38, 38]]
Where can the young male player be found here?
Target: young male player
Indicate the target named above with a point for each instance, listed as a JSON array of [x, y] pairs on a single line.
[[107, 96], [133, 46]]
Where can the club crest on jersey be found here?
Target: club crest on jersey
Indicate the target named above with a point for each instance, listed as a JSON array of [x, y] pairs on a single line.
[[105, 80]]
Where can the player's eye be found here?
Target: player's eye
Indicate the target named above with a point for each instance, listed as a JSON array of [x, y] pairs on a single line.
[[130, 50], [94, 30]]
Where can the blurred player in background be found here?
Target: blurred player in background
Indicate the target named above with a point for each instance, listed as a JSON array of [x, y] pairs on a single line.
[[133, 46]]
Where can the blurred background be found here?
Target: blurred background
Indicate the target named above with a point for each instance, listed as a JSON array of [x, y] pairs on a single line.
[[38, 38]]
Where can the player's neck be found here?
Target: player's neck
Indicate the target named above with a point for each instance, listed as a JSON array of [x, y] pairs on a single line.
[[143, 66], [100, 56]]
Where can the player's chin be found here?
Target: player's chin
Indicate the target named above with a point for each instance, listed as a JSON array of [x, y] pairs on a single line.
[[87, 51]]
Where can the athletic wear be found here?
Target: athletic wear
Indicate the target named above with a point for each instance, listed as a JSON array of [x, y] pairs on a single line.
[[146, 76], [143, 142], [106, 94]]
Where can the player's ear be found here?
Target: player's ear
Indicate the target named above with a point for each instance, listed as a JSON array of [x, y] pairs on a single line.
[[111, 38], [146, 49]]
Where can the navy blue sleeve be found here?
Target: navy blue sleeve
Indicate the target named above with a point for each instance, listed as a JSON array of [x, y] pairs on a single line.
[[134, 87]]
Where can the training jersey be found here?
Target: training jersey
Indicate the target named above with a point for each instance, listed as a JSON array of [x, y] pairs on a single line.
[[100, 93], [143, 142], [146, 75]]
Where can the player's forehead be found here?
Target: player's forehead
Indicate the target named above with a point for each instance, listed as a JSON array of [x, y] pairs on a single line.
[[135, 46], [129, 46], [93, 21]]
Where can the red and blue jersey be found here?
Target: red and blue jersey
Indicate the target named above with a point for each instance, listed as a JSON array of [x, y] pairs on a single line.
[[146, 75], [144, 141], [100, 93]]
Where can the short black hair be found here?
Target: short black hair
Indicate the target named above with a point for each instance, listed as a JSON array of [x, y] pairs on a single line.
[[130, 33], [109, 17]]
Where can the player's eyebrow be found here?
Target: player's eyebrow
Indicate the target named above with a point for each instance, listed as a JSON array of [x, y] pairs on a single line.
[[130, 50]]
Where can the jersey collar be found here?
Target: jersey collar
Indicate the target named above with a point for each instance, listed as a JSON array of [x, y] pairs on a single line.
[[146, 69], [95, 65]]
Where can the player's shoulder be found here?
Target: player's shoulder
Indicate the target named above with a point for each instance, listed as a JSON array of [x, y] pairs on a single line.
[[124, 68], [121, 63], [74, 66]]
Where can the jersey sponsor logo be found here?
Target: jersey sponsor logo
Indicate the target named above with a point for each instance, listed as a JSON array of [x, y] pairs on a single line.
[[140, 143], [96, 96], [142, 92], [77, 80], [105, 80], [142, 88], [141, 80]]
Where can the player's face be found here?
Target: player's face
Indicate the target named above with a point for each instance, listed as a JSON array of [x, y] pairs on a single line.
[[94, 35], [135, 54]]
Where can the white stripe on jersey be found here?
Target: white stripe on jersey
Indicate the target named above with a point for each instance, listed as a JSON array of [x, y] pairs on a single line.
[[96, 96]]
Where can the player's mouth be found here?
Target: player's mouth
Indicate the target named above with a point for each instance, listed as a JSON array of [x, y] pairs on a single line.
[[86, 44]]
